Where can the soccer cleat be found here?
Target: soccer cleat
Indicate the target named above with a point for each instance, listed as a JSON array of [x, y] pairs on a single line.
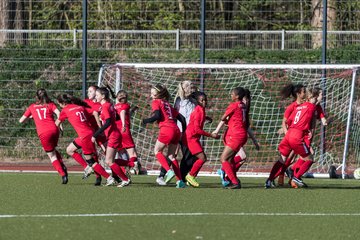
[[98, 181], [281, 180], [298, 182], [124, 183], [192, 180], [110, 181], [65, 179], [224, 182], [269, 184], [87, 172], [180, 184], [293, 184], [234, 186], [160, 181], [169, 175]]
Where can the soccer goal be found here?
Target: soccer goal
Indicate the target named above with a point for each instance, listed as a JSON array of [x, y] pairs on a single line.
[[335, 145]]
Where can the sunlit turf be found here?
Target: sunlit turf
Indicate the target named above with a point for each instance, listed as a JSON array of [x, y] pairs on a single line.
[[42, 208]]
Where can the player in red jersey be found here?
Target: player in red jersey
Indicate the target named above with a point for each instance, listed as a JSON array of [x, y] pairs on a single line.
[[294, 138], [95, 123], [74, 110], [298, 92], [169, 133], [192, 136], [108, 117], [43, 111], [319, 114], [123, 124], [236, 134]]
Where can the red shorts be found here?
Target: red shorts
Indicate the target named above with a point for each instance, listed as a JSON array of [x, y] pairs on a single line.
[[169, 135], [193, 145], [85, 143], [294, 142], [114, 141], [49, 140], [101, 139], [127, 140], [235, 142]]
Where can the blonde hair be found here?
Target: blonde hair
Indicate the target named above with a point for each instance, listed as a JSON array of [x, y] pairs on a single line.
[[184, 89]]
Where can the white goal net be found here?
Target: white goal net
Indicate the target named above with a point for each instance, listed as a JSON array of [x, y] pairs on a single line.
[[267, 108]]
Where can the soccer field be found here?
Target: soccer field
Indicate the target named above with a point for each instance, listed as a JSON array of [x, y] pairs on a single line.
[[37, 206]]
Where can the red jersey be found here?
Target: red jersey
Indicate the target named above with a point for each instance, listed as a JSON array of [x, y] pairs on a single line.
[[302, 116], [123, 107], [167, 112], [95, 107], [78, 118], [108, 111], [289, 110], [43, 115], [237, 118], [196, 123], [319, 113]]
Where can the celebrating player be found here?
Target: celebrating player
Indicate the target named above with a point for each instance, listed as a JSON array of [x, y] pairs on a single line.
[[192, 137], [123, 124], [73, 109], [43, 111], [108, 117], [169, 133], [294, 141], [236, 134]]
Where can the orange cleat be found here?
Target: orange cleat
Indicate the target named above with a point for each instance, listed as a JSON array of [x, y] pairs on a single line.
[[293, 184]]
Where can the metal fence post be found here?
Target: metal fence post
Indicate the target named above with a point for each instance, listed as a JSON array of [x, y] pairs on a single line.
[[177, 39], [74, 38], [283, 39]]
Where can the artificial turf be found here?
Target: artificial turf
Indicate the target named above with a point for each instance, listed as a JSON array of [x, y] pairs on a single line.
[[38, 206]]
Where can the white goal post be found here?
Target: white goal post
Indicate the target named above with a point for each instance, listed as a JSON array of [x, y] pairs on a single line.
[[341, 137]]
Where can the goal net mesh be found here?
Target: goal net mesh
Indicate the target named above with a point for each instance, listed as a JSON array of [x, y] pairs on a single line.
[[267, 108]]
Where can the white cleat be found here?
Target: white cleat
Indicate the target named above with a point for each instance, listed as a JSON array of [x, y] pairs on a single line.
[[160, 181], [124, 183], [110, 181], [87, 172]]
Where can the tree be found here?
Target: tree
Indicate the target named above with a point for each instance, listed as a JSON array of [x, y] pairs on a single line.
[[317, 18]]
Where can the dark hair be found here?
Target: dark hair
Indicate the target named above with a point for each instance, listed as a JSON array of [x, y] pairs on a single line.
[[42, 97], [104, 91], [291, 90], [196, 95], [240, 92], [69, 99], [162, 92], [122, 94]]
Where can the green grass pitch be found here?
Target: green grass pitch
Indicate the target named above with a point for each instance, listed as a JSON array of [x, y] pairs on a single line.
[[37, 206]]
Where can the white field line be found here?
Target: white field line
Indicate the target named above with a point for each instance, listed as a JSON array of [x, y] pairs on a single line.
[[179, 214]]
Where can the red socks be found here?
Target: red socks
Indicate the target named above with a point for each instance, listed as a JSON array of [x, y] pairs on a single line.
[[276, 170], [58, 167], [79, 159], [162, 160], [229, 172], [122, 162], [196, 167], [117, 170], [100, 170], [176, 168], [304, 168]]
